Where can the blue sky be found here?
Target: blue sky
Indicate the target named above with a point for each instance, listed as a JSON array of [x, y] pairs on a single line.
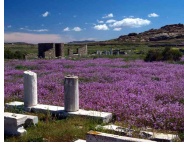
[[35, 21]]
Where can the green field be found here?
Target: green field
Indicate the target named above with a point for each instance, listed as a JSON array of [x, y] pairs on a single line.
[[134, 51]]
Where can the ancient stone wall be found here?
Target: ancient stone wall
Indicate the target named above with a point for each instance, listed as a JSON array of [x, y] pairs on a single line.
[[50, 53], [83, 50], [31, 56], [70, 52], [50, 50], [62, 50]]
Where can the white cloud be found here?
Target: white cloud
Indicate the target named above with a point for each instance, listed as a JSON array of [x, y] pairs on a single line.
[[131, 22], [36, 38], [108, 16], [100, 21], [111, 21], [117, 29], [40, 30], [9, 26], [77, 29], [45, 14], [89, 39], [101, 27], [66, 29], [153, 15]]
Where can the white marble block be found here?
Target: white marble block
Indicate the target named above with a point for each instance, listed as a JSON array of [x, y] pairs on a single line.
[[13, 124]]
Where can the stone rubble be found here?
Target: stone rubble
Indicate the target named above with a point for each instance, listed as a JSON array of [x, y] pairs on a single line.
[[14, 123]]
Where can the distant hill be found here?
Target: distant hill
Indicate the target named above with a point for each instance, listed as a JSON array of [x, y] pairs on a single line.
[[165, 33], [18, 43], [82, 42]]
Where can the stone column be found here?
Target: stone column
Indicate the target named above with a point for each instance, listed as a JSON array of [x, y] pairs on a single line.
[[118, 52], [105, 52], [30, 89], [111, 51], [86, 49], [71, 94]]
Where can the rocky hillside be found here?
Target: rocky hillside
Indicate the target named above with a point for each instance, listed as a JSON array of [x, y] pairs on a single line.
[[165, 33]]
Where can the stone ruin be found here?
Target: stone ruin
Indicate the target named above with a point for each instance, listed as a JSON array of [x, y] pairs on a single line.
[[14, 123], [82, 51], [111, 52], [55, 50], [50, 50]]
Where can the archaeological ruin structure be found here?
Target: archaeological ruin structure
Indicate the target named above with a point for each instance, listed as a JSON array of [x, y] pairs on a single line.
[[83, 50], [50, 50], [56, 50]]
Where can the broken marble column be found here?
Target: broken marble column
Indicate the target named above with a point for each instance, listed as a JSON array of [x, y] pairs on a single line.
[[30, 89], [71, 94]]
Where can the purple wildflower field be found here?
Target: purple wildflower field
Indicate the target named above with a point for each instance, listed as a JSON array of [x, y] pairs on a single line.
[[136, 92]]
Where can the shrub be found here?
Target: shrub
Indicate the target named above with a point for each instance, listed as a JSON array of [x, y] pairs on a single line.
[[153, 55], [19, 55], [14, 55], [8, 54], [171, 54], [167, 54]]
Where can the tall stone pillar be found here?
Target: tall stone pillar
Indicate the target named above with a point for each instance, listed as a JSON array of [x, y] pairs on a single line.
[[111, 51], [86, 49], [71, 94], [30, 89]]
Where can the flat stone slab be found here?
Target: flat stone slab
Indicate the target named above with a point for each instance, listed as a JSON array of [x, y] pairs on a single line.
[[47, 108], [14, 104], [117, 129], [80, 140], [104, 116], [94, 136], [145, 134], [159, 136], [57, 110]]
